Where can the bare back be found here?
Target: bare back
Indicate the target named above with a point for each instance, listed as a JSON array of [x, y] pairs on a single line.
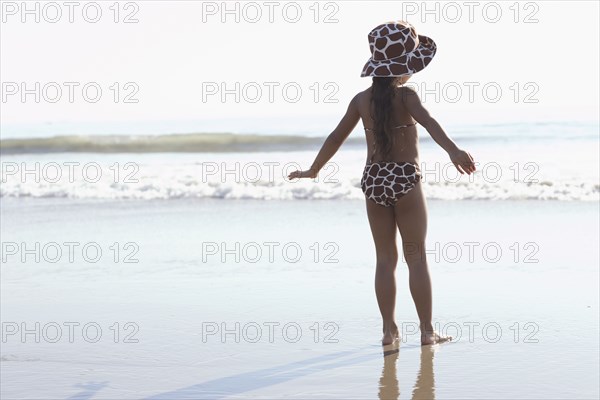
[[406, 143]]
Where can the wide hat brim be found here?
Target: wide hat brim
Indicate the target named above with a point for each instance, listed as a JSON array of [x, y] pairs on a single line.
[[406, 64]]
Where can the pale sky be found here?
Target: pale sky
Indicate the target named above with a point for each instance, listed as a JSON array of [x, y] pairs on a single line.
[[171, 54]]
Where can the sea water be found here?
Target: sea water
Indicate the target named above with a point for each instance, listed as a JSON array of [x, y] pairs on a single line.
[[553, 161]]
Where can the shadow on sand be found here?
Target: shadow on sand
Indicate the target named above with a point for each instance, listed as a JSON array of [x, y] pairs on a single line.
[[246, 382]]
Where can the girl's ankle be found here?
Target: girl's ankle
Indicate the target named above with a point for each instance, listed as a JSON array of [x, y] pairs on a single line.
[[426, 327], [387, 325]]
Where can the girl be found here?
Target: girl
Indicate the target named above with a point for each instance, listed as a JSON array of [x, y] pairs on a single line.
[[391, 178]]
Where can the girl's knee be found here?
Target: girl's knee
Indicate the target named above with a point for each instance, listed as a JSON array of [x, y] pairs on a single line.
[[414, 251], [387, 263], [416, 262]]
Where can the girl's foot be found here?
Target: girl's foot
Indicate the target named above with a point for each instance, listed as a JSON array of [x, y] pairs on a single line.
[[390, 334], [432, 337]]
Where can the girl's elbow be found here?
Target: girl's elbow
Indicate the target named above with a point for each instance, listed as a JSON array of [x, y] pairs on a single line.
[[427, 122]]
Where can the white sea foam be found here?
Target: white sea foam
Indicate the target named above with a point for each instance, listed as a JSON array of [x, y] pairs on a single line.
[[263, 181], [535, 163]]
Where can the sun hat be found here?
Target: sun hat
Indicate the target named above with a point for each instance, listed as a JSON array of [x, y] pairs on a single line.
[[397, 50]]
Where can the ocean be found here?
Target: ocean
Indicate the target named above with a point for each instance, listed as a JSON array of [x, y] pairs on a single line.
[[515, 161]]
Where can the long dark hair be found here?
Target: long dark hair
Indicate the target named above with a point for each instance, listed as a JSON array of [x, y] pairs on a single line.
[[384, 90]]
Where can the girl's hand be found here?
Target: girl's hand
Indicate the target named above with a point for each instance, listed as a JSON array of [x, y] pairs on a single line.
[[463, 161], [311, 173]]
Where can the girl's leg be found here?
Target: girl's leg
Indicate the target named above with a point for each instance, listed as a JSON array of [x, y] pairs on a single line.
[[411, 217], [383, 228]]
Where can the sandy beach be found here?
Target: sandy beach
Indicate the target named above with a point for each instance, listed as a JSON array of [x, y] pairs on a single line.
[[196, 318]]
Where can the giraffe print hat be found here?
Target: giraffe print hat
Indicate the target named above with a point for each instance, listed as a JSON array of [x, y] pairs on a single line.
[[397, 50]]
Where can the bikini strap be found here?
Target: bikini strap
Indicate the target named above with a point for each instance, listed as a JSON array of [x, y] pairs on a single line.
[[375, 143]]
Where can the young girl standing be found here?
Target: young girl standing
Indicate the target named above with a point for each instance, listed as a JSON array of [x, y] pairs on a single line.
[[391, 178]]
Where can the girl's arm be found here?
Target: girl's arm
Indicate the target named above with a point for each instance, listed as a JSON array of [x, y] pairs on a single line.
[[333, 142], [462, 160]]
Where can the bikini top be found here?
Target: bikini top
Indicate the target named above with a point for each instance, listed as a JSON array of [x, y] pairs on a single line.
[[395, 127], [399, 126]]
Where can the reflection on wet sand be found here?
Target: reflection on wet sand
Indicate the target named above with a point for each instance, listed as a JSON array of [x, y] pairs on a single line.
[[388, 383], [425, 385], [424, 388]]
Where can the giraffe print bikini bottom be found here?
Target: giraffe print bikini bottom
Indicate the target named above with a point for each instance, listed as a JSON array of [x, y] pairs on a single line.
[[386, 182]]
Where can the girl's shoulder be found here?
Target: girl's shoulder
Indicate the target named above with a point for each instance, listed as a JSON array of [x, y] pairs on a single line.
[[365, 94], [406, 90]]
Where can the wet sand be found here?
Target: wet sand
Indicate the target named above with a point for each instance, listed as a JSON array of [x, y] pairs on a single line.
[[190, 321]]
